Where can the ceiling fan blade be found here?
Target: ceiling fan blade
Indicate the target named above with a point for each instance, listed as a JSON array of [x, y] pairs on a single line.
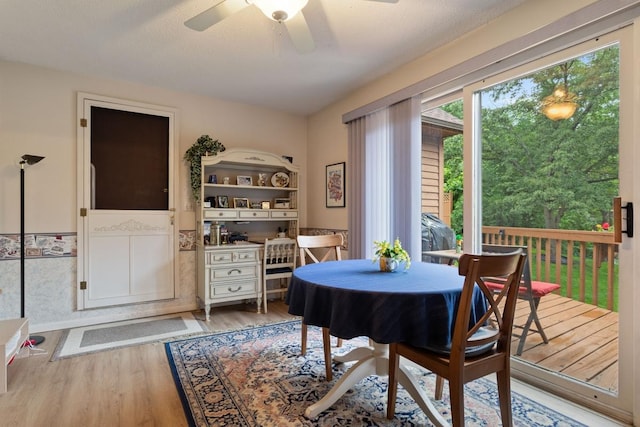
[[300, 33], [215, 14]]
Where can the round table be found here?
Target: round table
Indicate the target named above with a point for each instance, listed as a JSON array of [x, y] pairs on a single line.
[[353, 298]]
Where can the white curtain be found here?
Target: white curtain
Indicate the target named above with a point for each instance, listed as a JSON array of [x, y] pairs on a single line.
[[384, 184]]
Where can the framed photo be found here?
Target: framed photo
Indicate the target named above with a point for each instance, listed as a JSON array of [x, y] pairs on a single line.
[[240, 202], [222, 202], [281, 203], [335, 185], [266, 205], [213, 179], [244, 180]]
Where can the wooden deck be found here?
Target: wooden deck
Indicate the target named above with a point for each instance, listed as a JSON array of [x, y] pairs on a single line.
[[583, 340]]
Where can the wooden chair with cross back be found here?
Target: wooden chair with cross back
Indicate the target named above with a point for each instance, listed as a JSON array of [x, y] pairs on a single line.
[[320, 249]]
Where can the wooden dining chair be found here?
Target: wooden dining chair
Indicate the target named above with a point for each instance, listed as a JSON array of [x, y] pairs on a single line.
[[320, 249], [474, 351], [530, 290], [278, 263]]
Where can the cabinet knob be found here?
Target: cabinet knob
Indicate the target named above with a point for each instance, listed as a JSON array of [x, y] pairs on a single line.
[[220, 214], [254, 214]]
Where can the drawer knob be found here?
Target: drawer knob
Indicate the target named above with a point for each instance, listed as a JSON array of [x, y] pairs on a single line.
[[220, 214]]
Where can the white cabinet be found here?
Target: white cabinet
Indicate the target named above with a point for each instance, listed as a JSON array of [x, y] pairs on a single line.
[[13, 333], [231, 273], [252, 195]]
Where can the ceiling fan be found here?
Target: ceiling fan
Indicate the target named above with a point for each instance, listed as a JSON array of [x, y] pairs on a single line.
[[287, 12]]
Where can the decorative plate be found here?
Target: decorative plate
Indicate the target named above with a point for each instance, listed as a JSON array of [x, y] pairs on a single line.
[[280, 179]]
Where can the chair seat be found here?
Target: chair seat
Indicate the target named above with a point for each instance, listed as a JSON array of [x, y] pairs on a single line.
[[538, 289], [472, 350], [270, 271]]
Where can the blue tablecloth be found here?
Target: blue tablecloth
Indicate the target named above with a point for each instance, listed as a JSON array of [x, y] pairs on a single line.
[[353, 298]]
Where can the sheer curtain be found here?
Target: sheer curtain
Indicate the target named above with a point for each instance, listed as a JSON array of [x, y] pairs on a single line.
[[384, 179]]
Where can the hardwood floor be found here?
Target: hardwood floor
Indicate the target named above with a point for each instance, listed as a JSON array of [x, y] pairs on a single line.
[[131, 386], [583, 340]]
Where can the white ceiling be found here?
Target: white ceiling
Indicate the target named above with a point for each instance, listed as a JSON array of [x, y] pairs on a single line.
[[245, 58]]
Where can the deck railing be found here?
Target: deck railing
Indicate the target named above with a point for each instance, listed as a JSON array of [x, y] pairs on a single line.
[[567, 257]]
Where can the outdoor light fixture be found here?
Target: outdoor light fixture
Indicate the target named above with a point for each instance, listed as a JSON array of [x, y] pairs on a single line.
[[27, 159], [279, 10], [560, 105]]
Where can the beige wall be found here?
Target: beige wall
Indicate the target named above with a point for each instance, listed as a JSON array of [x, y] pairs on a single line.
[[327, 141], [38, 116]]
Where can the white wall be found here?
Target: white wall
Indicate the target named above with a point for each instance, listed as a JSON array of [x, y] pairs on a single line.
[[38, 116]]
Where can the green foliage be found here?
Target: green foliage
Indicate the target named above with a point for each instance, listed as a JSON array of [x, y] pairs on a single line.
[[541, 173], [204, 146], [453, 167]]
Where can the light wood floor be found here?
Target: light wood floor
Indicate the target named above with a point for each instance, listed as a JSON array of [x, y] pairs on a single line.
[[132, 386]]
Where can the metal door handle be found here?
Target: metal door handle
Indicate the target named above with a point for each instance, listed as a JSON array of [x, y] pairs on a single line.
[[617, 219]]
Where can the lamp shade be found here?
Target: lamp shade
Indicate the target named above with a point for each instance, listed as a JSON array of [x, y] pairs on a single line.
[[560, 105], [280, 10]]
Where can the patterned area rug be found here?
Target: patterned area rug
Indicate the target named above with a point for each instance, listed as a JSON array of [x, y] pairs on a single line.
[[257, 377]]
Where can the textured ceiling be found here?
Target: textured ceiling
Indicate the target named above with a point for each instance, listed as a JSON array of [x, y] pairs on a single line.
[[246, 57]]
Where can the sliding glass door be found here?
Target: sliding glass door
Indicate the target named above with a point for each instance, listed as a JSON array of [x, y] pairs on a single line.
[[547, 147]]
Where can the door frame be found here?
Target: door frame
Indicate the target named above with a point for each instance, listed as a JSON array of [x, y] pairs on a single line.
[[84, 178], [622, 404]]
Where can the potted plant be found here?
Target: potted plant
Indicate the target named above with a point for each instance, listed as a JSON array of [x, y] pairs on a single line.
[[391, 256], [204, 146]]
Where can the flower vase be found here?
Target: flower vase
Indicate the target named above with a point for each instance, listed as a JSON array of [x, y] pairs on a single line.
[[388, 265]]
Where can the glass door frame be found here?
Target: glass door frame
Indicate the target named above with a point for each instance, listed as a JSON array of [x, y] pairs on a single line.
[[619, 405]]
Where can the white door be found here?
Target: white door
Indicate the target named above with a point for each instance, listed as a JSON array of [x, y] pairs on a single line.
[[483, 99], [126, 233]]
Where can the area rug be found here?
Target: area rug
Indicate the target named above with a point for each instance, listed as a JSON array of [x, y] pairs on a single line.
[[90, 339], [257, 377]]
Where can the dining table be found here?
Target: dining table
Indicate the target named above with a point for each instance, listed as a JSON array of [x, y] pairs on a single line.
[[353, 298]]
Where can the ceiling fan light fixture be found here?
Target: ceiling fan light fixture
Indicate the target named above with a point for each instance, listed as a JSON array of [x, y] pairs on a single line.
[[279, 10]]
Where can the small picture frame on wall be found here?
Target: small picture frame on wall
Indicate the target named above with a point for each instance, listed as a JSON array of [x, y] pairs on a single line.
[[244, 180], [335, 181]]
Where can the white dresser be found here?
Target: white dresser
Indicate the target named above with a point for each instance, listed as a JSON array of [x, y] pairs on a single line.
[[231, 273]]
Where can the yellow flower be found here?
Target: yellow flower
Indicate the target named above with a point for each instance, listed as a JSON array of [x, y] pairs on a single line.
[[395, 252]]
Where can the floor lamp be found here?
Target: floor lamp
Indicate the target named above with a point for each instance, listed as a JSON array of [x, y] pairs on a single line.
[[27, 159]]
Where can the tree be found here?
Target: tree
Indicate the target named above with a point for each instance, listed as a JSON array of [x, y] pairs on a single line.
[[543, 173]]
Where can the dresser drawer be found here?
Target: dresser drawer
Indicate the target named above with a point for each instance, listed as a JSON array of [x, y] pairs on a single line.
[[226, 256], [234, 272], [246, 287], [284, 214], [254, 214], [220, 213], [245, 256], [218, 257]]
